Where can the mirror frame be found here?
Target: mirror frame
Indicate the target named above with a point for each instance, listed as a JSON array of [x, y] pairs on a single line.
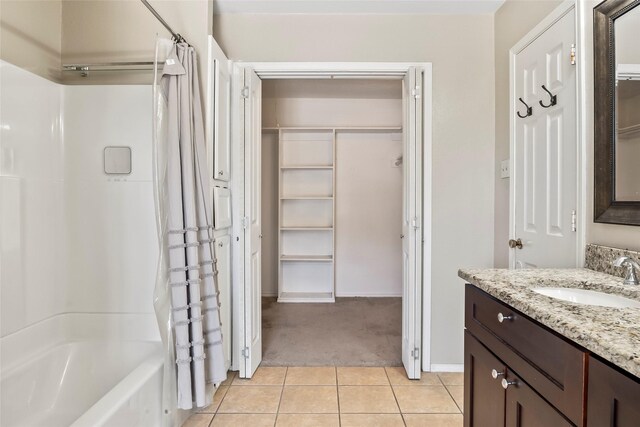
[[606, 208]]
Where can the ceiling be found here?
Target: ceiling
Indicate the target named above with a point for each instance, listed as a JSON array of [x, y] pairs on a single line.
[[435, 7]]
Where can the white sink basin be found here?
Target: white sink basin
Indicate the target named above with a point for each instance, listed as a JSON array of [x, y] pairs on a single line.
[[583, 296]]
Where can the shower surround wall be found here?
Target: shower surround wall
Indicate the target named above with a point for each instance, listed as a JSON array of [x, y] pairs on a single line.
[[74, 240], [33, 273]]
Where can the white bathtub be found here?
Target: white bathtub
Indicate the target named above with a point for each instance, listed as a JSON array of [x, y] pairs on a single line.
[[84, 371]]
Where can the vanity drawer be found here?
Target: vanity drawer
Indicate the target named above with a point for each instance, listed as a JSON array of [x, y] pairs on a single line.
[[547, 362]]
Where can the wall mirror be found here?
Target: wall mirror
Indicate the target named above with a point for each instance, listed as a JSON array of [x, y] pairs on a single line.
[[617, 112]]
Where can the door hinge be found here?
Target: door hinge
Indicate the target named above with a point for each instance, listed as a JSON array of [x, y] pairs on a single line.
[[415, 92], [415, 353], [572, 55], [245, 222], [245, 92], [415, 223], [245, 352], [574, 219]]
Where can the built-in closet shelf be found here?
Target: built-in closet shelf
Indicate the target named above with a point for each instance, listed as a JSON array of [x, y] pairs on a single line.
[[306, 214], [306, 228], [312, 167], [308, 258], [306, 297], [308, 198]]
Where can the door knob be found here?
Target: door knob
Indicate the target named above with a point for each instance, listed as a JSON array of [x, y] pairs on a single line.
[[515, 244], [495, 374]]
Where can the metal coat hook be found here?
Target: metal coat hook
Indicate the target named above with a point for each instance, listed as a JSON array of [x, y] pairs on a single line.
[[554, 98], [529, 110]]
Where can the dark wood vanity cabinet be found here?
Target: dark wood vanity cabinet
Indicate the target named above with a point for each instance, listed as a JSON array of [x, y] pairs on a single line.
[[483, 394], [543, 373], [526, 408], [549, 380], [489, 403], [613, 397]]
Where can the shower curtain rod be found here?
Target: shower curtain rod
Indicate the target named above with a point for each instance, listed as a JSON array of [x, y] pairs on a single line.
[[176, 36], [110, 66], [127, 65]]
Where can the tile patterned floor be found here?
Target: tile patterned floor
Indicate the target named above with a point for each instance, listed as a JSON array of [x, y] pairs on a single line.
[[340, 397]]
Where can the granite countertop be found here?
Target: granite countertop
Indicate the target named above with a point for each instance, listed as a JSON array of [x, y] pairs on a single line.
[[611, 333]]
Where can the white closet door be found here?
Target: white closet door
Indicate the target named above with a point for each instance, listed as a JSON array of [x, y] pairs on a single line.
[[252, 135], [411, 224]]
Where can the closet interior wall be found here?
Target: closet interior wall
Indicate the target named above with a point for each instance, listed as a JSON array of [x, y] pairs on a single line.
[[360, 120]]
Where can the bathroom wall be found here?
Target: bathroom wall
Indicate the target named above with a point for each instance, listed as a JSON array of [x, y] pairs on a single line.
[[112, 240], [33, 261], [512, 22], [30, 35], [617, 236], [107, 31], [73, 238], [461, 50]]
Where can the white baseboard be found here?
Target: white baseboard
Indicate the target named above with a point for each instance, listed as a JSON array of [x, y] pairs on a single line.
[[361, 295], [447, 367]]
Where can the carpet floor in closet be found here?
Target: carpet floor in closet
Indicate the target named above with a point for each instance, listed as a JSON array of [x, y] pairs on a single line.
[[349, 332]]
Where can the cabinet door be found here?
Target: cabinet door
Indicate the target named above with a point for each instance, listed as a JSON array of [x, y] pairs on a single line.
[[223, 265], [484, 395], [220, 84], [613, 398], [525, 408], [221, 208]]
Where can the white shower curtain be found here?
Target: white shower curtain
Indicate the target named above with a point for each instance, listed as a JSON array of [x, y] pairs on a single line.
[[186, 296]]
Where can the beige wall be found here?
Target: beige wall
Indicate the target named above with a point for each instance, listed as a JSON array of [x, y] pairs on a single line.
[[30, 35], [619, 236], [512, 22], [124, 30], [461, 50], [40, 36]]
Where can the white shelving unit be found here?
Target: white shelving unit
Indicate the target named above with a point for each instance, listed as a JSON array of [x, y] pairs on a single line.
[[306, 212]]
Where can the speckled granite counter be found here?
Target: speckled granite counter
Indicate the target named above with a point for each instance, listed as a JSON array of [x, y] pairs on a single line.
[[611, 333]]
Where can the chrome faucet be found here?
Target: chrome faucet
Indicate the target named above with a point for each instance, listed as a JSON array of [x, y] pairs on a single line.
[[630, 265]]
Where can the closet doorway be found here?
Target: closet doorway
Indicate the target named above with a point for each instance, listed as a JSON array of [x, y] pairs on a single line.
[[328, 170]]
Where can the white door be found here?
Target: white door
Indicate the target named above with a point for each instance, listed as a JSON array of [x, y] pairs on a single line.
[[252, 223], [411, 223], [544, 150]]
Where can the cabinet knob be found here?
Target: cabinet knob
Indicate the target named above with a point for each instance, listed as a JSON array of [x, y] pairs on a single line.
[[506, 383], [495, 374], [502, 317], [220, 173], [220, 244]]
